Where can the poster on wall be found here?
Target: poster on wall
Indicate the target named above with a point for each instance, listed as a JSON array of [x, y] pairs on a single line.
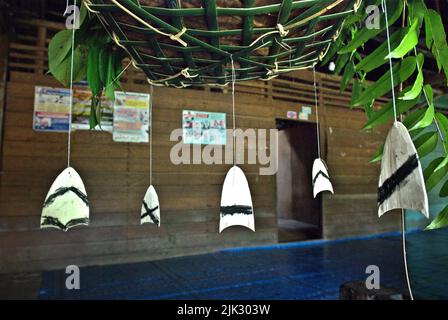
[[131, 117], [51, 109], [82, 98], [203, 127]]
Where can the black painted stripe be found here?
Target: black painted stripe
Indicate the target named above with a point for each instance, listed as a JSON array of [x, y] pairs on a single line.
[[235, 209], [320, 173], [149, 212], [63, 190], [53, 221], [390, 185]]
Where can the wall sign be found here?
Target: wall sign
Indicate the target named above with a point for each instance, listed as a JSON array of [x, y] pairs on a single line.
[[203, 127], [291, 115], [82, 98], [131, 117], [51, 109]]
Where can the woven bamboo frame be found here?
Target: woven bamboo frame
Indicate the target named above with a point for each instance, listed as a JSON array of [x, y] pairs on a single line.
[[172, 53]]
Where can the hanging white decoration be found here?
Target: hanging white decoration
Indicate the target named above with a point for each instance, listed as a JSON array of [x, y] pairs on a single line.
[[321, 179], [66, 204], [236, 201], [401, 184], [150, 212]]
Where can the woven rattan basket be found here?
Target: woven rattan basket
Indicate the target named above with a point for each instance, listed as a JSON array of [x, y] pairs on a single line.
[[181, 43]]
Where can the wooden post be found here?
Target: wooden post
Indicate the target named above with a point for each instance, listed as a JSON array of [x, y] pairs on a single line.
[[41, 43], [3, 77]]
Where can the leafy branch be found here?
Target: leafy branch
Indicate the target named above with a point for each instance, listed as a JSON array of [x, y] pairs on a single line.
[[415, 103], [96, 59]]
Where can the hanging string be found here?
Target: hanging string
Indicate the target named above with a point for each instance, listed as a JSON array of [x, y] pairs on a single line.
[[403, 218], [151, 97], [233, 110], [384, 5], [66, 8], [317, 111], [72, 59]]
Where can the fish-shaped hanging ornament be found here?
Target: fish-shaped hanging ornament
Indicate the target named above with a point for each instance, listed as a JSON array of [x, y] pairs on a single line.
[[321, 179], [66, 204], [401, 184], [236, 201], [150, 212]]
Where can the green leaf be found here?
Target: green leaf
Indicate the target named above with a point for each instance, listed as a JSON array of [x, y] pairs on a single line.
[[401, 72], [92, 117], [444, 191], [376, 58], [356, 91], [436, 39], [417, 10], [62, 72], [426, 143], [410, 40], [93, 76], [386, 113], [378, 154], [434, 22], [394, 11], [416, 88], [442, 122], [59, 48], [341, 62], [110, 87], [102, 64], [428, 117], [414, 117], [433, 177], [440, 221], [349, 72], [443, 164]]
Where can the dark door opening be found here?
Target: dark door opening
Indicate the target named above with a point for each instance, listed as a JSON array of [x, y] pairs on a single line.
[[299, 215]]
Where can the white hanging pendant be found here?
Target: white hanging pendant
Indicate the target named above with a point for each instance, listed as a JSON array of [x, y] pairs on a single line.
[[66, 204], [321, 179], [236, 201], [150, 212], [401, 183]]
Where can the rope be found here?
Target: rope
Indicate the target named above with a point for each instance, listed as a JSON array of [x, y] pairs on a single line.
[[403, 220], [233, 110], [151, 97], [72, 59], [313, 16], [403, 239], [317, 112], [174, 37], [384, 5]]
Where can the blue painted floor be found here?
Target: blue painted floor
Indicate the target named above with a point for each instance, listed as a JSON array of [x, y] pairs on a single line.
[[294, 271]]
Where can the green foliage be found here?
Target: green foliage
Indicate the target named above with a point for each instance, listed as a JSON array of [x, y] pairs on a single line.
[[96, 59], [415, 104]]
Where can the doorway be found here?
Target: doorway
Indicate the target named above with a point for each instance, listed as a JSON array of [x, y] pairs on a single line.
[[299, 215]]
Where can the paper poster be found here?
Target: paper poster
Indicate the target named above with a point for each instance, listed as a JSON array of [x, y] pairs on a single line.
[[81, 111], [306, 110], [51, 109], [203, 127], [303, 116], [131, 117], [291, 115]]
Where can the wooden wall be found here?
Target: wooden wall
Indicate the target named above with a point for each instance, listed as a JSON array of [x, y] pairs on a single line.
[[116, 174]]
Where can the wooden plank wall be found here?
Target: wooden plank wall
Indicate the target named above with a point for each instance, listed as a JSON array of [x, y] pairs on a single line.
[[116, 174]]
